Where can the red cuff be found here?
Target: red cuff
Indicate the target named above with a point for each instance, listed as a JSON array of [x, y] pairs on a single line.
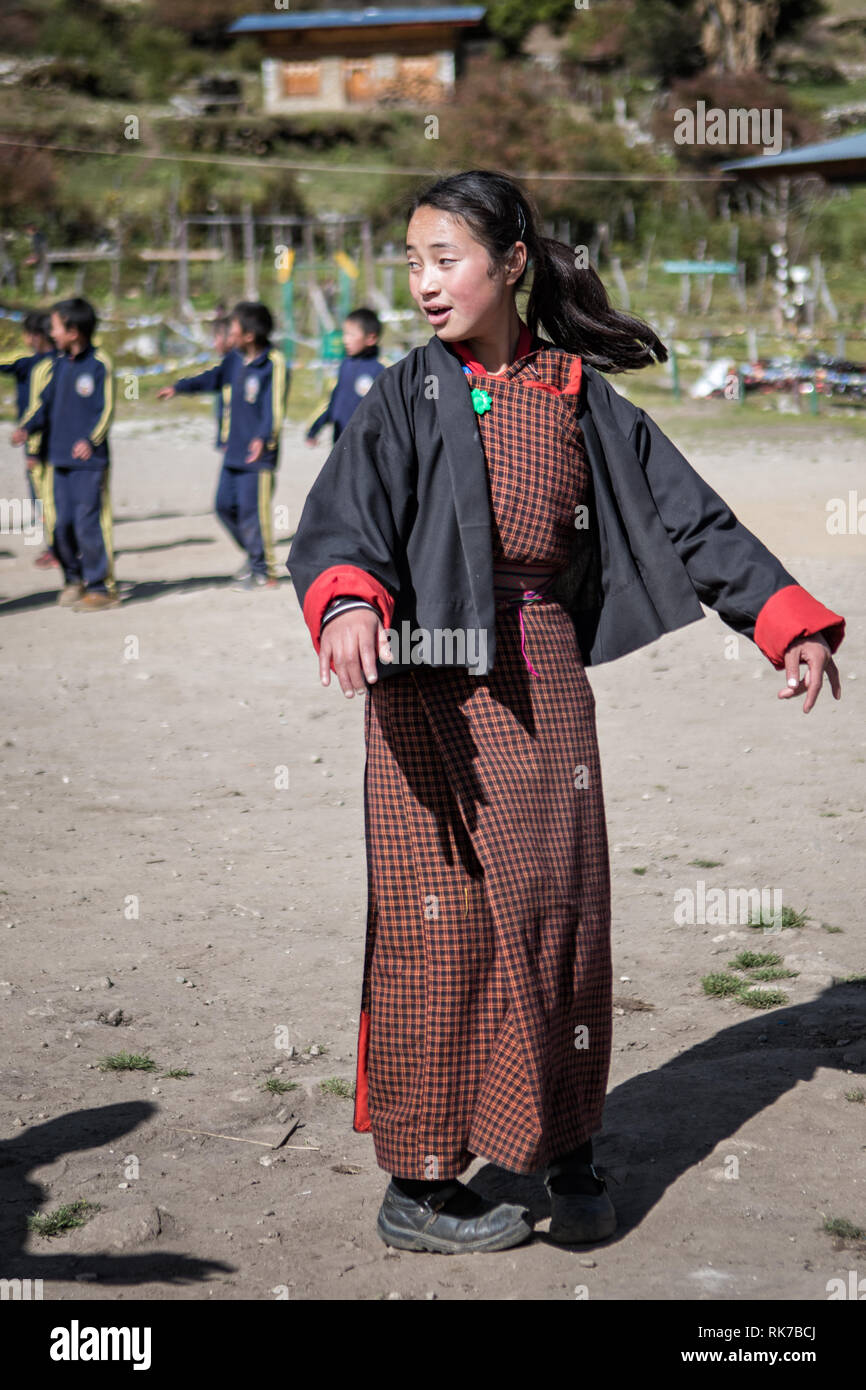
[[336, 582], [361, 1122], [791, 614]]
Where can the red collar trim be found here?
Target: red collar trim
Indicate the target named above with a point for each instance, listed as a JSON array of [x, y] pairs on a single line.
[[524, 346]]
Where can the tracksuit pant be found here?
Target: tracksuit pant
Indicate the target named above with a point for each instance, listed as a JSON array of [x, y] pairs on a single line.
[[77, 507], [36, 484], [31, 481], [243, 505]]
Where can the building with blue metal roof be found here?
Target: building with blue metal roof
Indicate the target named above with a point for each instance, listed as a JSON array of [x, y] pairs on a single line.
[[837, 161], [337, 60]]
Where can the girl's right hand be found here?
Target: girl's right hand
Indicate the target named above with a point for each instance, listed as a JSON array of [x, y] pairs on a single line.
[[350, 641]]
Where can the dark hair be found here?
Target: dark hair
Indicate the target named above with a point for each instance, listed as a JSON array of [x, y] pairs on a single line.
[[38, 322], [568, 302], [256, 319], [220, 323], [366, 320], [78, 314]]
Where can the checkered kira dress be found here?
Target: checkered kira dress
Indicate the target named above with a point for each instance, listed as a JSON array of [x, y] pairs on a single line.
[[486, 1005]]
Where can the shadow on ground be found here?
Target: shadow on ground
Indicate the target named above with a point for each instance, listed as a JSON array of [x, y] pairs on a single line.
[[662, 1122], [20, 1196], [131, 592]]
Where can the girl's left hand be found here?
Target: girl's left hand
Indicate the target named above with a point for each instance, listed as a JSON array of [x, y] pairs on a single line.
[[815, 654]]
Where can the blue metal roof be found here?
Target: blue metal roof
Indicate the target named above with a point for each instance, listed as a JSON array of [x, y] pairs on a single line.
[[372, 18], [830, 152]]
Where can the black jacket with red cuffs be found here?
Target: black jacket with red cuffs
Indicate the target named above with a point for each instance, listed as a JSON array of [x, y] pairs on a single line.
[[400, 516]]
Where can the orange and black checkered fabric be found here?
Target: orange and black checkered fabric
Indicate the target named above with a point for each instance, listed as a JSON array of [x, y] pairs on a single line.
[[487, 978]]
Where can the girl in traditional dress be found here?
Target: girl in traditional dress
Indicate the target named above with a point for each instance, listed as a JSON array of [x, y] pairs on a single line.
[[456, 494]]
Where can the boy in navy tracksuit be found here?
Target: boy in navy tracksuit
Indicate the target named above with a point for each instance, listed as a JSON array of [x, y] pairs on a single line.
[[31, 372], [251, 382], [358, 371], [74, 410]]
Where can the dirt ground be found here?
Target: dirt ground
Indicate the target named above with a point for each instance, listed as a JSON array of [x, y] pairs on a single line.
[[156, 863]]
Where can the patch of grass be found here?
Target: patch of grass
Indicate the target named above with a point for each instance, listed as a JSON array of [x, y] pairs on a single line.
[[174, 1074], [789, 918], [830, 815], [838, 1226], [827, 926], [757, 966], [761, 998], [54, 1223], [857, 1097], [336, 1086], [721, 985], [639, 871], [278, 1086], [705, 863], [752, 960], [849, 980], [127, 1061]]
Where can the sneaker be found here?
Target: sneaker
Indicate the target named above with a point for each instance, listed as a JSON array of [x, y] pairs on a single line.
[[579, 1217], [47, 560], [255, 581], [94, 601], [450, 1221], [69, 594], [243, 573]]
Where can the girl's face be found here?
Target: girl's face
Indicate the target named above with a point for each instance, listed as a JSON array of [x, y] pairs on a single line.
[[449, 279]]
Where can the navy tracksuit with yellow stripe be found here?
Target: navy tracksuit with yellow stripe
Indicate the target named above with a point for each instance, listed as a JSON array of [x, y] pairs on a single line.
[[76, 402], [253, 406], [31, 373]]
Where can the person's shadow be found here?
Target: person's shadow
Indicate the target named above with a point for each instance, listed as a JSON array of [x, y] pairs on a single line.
[[42, 1144], [662, 1122], [138, 591]]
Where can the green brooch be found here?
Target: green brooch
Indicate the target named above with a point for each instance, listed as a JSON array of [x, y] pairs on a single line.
[[480, 400]]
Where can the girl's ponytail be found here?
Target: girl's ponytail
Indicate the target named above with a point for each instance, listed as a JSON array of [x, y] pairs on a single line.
[[567, 304], [570, 304]]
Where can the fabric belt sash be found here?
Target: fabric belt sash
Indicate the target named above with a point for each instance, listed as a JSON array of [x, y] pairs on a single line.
[[516, 585]]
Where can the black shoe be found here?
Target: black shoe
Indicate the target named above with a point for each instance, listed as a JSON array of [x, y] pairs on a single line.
[[584, 1214], [450, 1221]]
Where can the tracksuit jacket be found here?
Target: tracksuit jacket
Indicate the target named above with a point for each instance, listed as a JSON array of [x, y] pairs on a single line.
[[76, 402], [22, 370], [253, 398], [31, 374], [354, 379]]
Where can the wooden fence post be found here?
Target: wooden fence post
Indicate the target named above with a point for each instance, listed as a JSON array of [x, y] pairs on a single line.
[[250, 289]]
